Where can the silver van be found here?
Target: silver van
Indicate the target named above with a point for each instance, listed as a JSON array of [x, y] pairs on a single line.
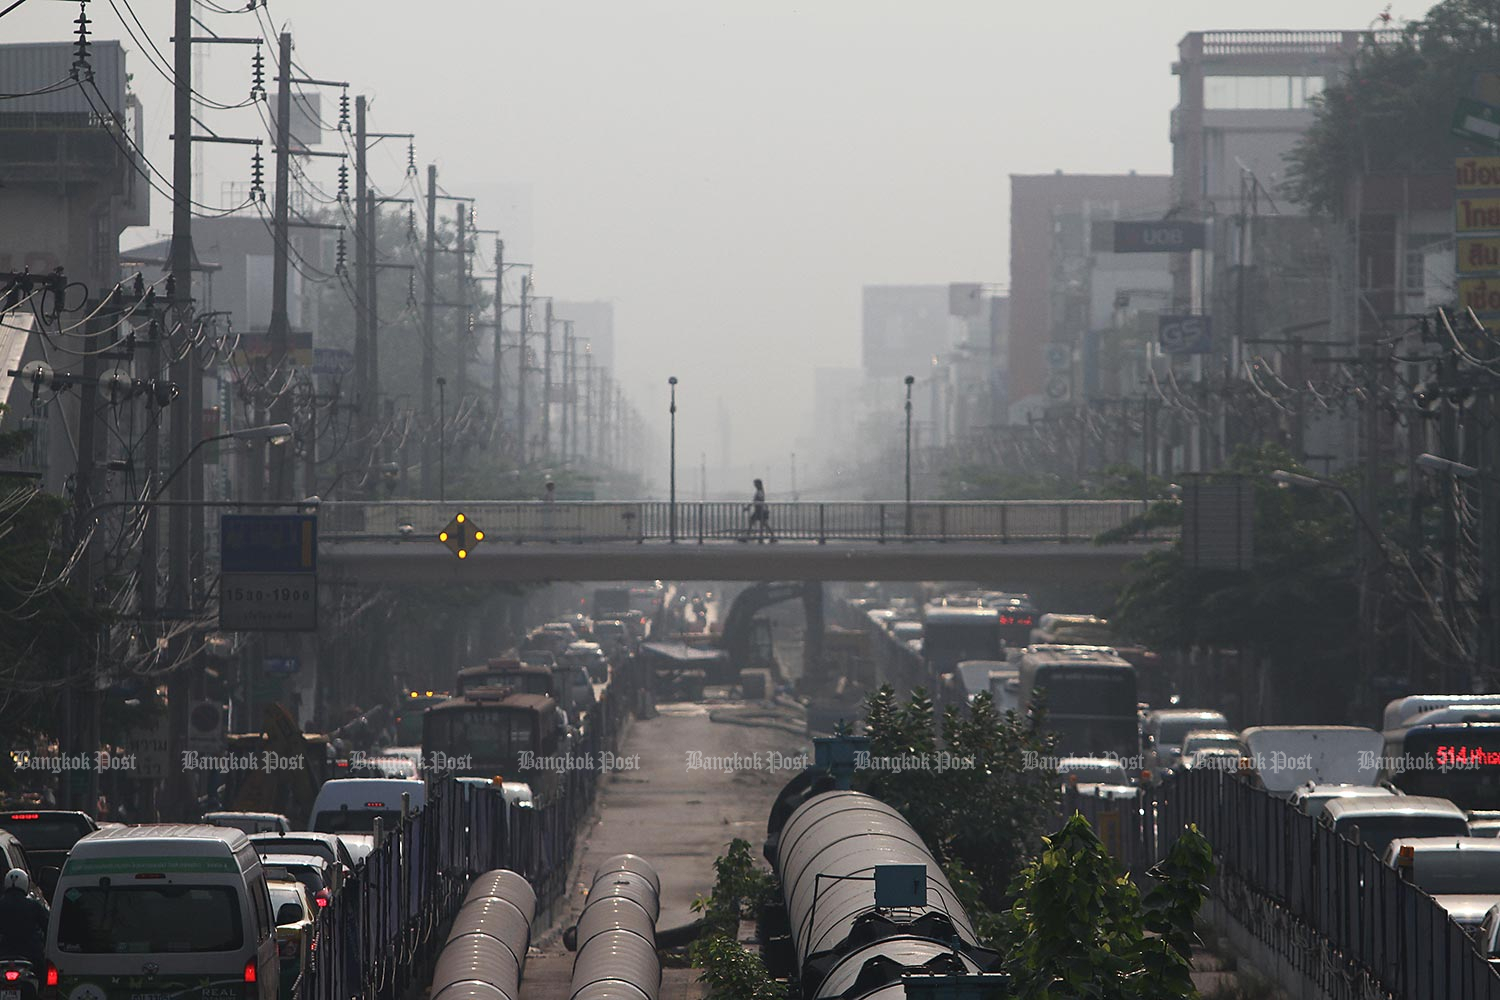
[[166, 910], [1380, 819]]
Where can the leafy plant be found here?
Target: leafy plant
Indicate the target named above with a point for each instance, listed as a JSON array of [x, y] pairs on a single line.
[[1079, 927], [740, 888], [985, 804]]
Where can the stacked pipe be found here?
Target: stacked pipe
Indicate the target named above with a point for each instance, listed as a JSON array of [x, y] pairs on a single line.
[[616, 934], [486, 948], [826, 853]]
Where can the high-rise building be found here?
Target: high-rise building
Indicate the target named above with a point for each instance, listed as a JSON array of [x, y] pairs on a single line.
[[1039, 205]]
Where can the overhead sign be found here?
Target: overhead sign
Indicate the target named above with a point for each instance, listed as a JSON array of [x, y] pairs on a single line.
[[332, 361], [1477, 121], [1169, 236], [1481, 295], [269, 543], [1185, 334], [284, 665], [269, 579], [1476, 173], [1478, 254], [268, 602], [1217, 524], [1476, 215]]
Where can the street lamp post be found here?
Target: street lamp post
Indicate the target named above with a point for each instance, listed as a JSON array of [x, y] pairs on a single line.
[[909, 380], [442, 439], [672, 472]]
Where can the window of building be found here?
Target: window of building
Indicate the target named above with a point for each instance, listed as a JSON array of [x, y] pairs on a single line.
[[1279, 93], [1416, 271]]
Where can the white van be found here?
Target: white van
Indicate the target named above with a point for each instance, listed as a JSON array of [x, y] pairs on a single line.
[[1285, 757], [163, 910], [351, 805]]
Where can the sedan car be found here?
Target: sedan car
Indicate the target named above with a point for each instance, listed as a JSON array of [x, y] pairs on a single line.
[[294, 932], [327, 846]]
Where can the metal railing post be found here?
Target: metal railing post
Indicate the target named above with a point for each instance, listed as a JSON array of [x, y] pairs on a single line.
[[1063, 513], [822, 524], [882, 522], [701, 513]]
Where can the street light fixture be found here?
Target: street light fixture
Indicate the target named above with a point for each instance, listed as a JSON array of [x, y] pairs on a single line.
[[272, 433], [1439, 466], [672, 473], [909, 380]]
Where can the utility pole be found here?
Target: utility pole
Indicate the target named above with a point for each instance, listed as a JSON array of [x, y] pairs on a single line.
[[497, 394], [588, 407], [570, 401], [280, 326], [181, 311], [429, 318], [363, 328], [547, 384], [462, 346], [521, 368], [567, 389]]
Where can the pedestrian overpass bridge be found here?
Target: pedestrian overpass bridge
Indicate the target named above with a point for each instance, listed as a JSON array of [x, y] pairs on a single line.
[[1036, 541]]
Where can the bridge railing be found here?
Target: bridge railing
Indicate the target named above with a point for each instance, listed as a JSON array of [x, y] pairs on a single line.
[[997, 521]]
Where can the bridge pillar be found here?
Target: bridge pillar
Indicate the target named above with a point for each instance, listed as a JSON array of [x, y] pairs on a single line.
[[812, 638]]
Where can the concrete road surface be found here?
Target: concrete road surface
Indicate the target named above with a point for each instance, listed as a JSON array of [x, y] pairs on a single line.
[[701, 775]]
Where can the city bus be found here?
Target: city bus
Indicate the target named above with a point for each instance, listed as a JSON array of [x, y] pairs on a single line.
[[1456, 759], [1090, 698], [951, 635], [492, 732]]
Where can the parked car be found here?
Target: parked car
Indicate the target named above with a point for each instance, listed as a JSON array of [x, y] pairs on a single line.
[[1312, 797], [327, 846], [1380, 819], [316, 875], [249, 822], [1459, 873], [47, 835], [1096, 777], [13, 855], [294, 932]]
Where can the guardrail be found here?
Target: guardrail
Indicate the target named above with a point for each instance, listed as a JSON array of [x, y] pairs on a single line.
[[1323, 903], [989, 521]]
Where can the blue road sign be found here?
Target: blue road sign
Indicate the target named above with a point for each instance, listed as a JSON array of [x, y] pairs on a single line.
[[268, 543]]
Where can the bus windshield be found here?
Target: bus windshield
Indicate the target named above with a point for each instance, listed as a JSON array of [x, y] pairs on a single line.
[[492, 739], [1461, 764]]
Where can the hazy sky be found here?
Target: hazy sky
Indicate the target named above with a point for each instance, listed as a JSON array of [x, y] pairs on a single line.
[[729, 173]]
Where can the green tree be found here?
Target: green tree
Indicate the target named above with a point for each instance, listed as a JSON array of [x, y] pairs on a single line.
[[1079, 927], [1392, 109], [986, 804], [1298, 604]]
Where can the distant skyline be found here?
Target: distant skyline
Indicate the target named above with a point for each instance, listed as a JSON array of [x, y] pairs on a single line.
[[729, 174]]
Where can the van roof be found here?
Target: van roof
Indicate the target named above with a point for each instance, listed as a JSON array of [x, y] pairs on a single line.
[[1104, 656], [1393, 805], [1445, 845], [164, 846], [1185, 713]]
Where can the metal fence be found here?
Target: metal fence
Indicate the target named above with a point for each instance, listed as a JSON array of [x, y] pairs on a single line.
[[1325, 904], [380, 931], [997, 521]]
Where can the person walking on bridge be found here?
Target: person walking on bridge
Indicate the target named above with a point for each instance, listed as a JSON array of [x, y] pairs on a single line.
[[760, 516]]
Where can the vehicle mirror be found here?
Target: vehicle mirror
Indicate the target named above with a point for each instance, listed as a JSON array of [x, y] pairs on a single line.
[[289, 913]]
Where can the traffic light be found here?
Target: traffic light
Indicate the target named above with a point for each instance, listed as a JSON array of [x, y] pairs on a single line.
[[461, 536]]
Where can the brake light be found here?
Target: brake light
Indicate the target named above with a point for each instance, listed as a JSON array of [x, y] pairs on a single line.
[[374, 805], [51, 974], [11, 975], [25, 816], [250, 971], [341, 763], [321, 898], [149, 875]]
